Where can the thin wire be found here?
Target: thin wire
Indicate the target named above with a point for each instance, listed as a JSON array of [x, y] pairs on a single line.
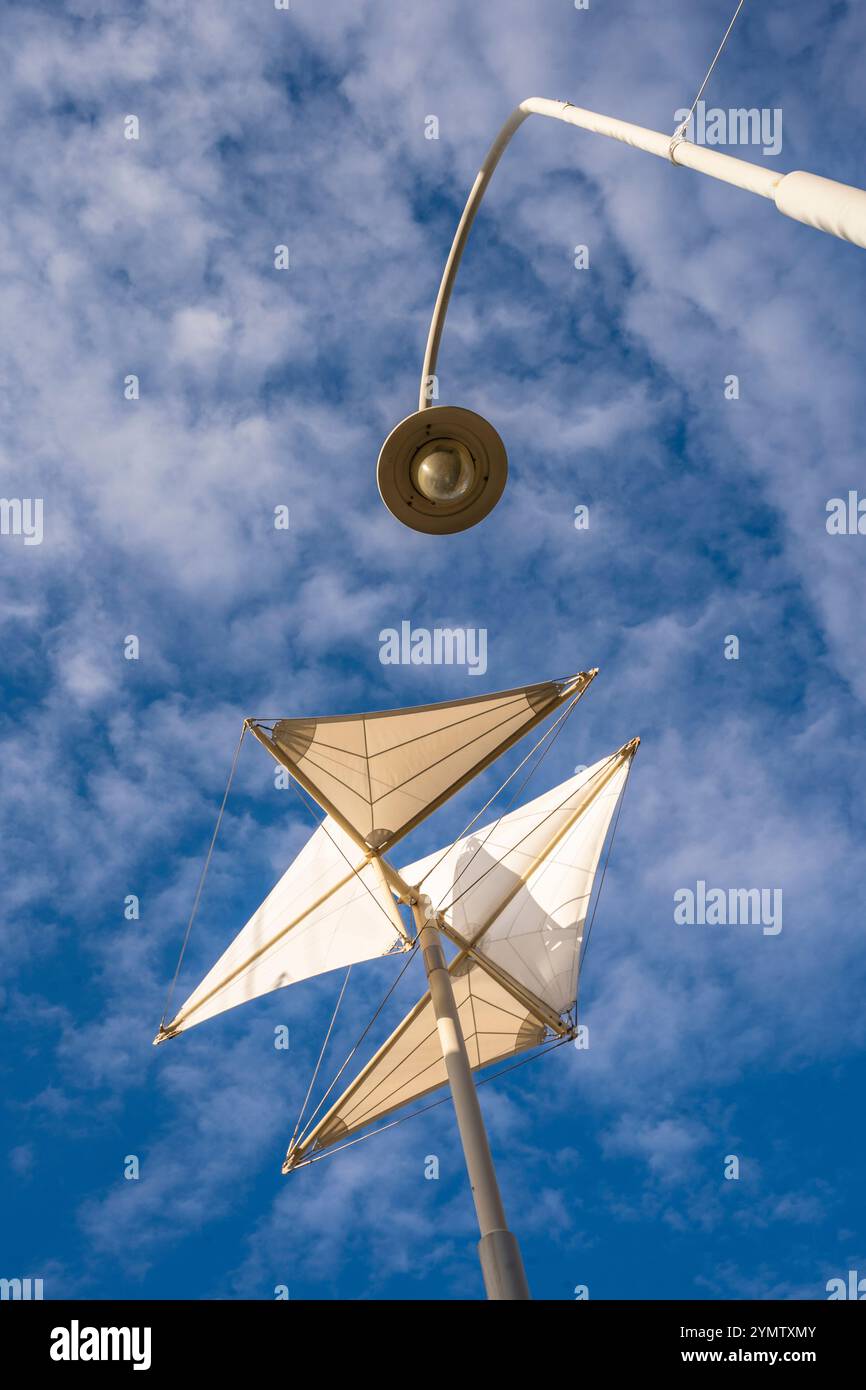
[[443, 1100], [321, 1055], [409, 958], [600, 886], [264, 719], [679, 132], [497, 863], [323, 825], [547, 734], [203, 876]]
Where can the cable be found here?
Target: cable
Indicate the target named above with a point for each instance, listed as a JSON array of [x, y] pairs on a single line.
[[409, 958], [323, 825], [679, 134], [554, 730], [203, 876], [600, 886], [274, 719], [552, 812], [321, 1055]]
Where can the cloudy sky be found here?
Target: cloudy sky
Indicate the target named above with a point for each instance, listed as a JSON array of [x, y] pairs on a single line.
[[261, 388]]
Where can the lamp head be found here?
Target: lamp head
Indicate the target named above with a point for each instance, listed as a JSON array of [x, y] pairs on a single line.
[[442, 470]]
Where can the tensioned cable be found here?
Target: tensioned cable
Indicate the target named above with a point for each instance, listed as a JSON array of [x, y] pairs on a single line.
[[274, 719], [409, 958], [203, 875], [323, 825], [679, 133], [600, 886], [443, 1100], [552, 812], [321, 1055], [357, 872], [547, 733], [552, 733]]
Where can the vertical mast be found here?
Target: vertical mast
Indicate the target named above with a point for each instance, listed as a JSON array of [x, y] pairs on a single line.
[[498, 1251]]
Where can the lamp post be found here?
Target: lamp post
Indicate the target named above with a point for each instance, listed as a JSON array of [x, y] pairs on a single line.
[[443, 469], [498, 1251]]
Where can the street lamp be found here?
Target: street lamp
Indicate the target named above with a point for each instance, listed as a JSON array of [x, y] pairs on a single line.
[[444, 468]]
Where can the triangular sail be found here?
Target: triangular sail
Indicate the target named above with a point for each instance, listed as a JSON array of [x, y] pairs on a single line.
[[410, 1064], [380, 774], [518, 892], [331, 908], [519, 888]]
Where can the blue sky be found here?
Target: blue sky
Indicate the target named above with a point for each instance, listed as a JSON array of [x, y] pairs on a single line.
[[261, 388]]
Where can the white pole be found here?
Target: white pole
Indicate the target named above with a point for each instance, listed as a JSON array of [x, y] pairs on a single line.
[[501, 1263], [822, 203]]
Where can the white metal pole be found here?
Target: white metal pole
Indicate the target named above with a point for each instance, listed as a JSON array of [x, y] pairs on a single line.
[[501, 1263], [832, 207]]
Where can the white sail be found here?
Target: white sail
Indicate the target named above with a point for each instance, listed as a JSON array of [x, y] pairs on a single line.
[[518, 892], [469, 879], [331, 908], [537, 936], [519, 887], [382, 773]]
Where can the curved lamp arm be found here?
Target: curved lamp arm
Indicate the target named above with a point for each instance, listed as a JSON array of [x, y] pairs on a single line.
[[822, 203]]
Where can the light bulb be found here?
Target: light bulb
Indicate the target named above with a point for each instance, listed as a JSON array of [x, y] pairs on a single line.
[[443, 470]]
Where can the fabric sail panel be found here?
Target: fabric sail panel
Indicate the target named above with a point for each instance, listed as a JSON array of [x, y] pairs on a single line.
[[410, 1063], [331, 908], [518, 889], [470, 880], [537, 937], [384, 772]]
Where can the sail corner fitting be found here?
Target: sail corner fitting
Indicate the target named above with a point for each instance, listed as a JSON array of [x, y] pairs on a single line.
[[291, 1160]]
